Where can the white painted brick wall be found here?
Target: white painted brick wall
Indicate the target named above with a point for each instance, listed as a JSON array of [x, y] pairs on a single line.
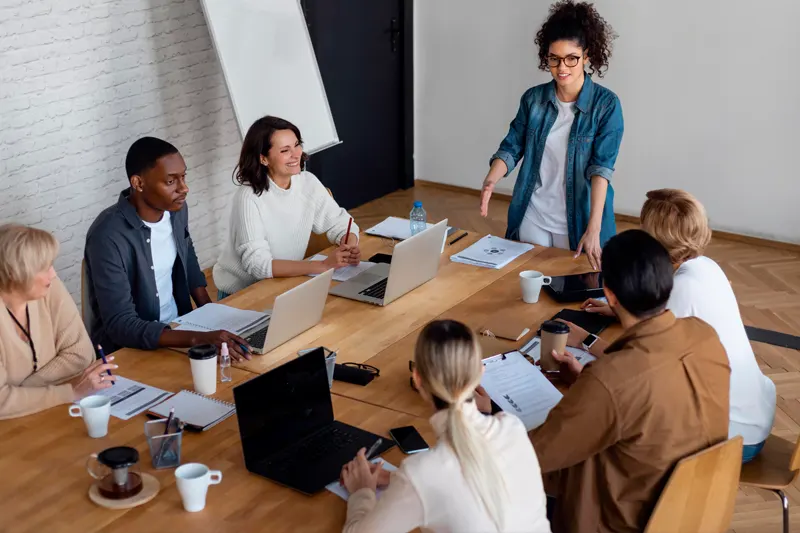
[[80, 80]]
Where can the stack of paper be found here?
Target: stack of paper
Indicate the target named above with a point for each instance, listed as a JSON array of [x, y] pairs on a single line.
[[519, 388], [398, 229], [491, 252], [213, 317], [345, 273]]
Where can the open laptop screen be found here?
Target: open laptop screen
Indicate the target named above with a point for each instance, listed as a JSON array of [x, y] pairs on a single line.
[[283, 406]]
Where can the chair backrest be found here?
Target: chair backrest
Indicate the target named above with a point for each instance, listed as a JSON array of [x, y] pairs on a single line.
[[794, 462], [701, 491], [86, 309], [317, 243]]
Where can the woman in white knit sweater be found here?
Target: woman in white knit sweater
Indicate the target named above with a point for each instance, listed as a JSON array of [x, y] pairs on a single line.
[[275, 210], [482, 475]]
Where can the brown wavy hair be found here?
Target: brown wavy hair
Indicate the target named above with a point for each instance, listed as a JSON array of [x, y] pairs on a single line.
[[579, 22], [249, 171]]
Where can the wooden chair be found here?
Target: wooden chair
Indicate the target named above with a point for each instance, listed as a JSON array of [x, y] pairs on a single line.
[[701, 492], [775, 469], [317, 243]]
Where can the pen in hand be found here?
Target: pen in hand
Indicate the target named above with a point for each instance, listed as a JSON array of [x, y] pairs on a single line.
[[373, 448], [103, 357]]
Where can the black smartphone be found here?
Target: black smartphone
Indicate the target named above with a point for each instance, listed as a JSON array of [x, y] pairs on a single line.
[[381, 258], [408, 439]]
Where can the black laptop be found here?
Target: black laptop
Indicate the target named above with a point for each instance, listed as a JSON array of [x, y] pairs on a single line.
[[287, 426], [576, 287]]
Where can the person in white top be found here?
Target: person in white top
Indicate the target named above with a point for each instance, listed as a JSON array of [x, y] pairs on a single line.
[[162, 246], [481, 476], [276, 208], [701, 289]]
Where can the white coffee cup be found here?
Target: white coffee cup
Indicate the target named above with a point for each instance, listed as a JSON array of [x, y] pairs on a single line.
[[532, 281], [95, 411], [193, 480], [203, 359]]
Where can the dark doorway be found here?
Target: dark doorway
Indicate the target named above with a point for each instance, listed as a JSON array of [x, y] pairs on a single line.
[[364, 49]]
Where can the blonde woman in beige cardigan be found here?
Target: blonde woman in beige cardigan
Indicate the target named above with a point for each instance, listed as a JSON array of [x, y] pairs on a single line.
[[46, 357], [482, 475]]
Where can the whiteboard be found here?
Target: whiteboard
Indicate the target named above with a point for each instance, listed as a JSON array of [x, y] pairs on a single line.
[[270, 67]]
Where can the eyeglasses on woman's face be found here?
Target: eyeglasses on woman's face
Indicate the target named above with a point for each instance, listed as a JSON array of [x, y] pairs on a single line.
[[569, 61]]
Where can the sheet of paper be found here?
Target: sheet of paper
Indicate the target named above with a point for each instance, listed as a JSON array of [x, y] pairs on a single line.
[[212, 317], [533, 349], [129, 398], [519, 388], [491, 252], [341, 492], [393, 228], [344, 273]]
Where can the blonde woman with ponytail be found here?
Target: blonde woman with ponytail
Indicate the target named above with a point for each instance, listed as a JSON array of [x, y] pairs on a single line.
[[482, 475]]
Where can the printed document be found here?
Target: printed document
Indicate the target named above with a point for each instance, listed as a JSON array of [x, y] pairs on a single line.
[[129, 398], [491, 252], [519, 388]]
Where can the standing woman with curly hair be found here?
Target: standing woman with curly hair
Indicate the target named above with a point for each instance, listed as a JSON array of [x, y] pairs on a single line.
[[568, 131]]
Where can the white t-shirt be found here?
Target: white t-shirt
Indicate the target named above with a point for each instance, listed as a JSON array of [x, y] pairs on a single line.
[[702, 290], [162, 247], [547, 207]]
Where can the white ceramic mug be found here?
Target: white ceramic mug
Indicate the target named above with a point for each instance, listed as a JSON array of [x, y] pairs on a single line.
[[193, 480], [532, 281], [95, 411]]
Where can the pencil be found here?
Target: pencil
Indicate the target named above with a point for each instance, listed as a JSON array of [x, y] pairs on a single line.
[[347, 235], [164, 441], [103, 357]]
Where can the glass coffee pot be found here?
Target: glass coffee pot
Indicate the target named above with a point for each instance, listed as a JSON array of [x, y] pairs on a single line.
[[117, 472]]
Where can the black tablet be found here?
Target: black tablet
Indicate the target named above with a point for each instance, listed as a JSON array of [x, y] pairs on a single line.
[[576, 287]]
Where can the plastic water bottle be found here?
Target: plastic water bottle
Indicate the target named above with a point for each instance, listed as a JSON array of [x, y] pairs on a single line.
[[419, 219], [224, 363]]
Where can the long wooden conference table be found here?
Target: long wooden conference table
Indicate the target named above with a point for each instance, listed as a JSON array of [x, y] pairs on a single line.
[[45, 485]]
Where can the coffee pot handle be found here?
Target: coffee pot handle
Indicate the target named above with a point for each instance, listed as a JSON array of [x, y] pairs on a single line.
[[90, 469]]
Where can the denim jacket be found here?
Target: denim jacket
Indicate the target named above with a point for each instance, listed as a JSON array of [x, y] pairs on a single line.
[[592, 150]]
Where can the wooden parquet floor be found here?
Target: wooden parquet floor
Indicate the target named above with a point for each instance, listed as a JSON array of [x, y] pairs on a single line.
[[766, 281]]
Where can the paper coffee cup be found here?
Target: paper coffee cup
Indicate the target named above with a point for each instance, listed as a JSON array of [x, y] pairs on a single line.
[[554, 338], [203, 360]]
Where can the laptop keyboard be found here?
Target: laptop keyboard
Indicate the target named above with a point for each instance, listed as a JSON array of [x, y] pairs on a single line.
[[311, 450], [376, 290], [257, 339]]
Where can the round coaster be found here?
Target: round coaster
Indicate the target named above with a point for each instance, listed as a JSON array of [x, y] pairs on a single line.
[[150, 488]]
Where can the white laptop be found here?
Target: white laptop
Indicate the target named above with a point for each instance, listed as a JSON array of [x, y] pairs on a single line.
[[295, 311], [415, 261]]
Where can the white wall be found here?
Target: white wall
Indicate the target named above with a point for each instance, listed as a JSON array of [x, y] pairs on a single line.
[[708, 89], [79, 82]]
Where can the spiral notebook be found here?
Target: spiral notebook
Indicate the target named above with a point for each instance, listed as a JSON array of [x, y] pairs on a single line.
[[198, 412]]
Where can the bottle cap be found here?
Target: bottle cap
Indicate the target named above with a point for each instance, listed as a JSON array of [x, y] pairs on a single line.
[[417, 204], [224, 350]]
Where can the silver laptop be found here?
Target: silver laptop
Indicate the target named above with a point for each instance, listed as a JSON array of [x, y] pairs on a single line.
[[414, 262], [295, 311]]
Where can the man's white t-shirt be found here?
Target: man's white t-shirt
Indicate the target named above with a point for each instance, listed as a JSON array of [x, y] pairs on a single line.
[[702, 290], [164, 252], [547, 207]]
